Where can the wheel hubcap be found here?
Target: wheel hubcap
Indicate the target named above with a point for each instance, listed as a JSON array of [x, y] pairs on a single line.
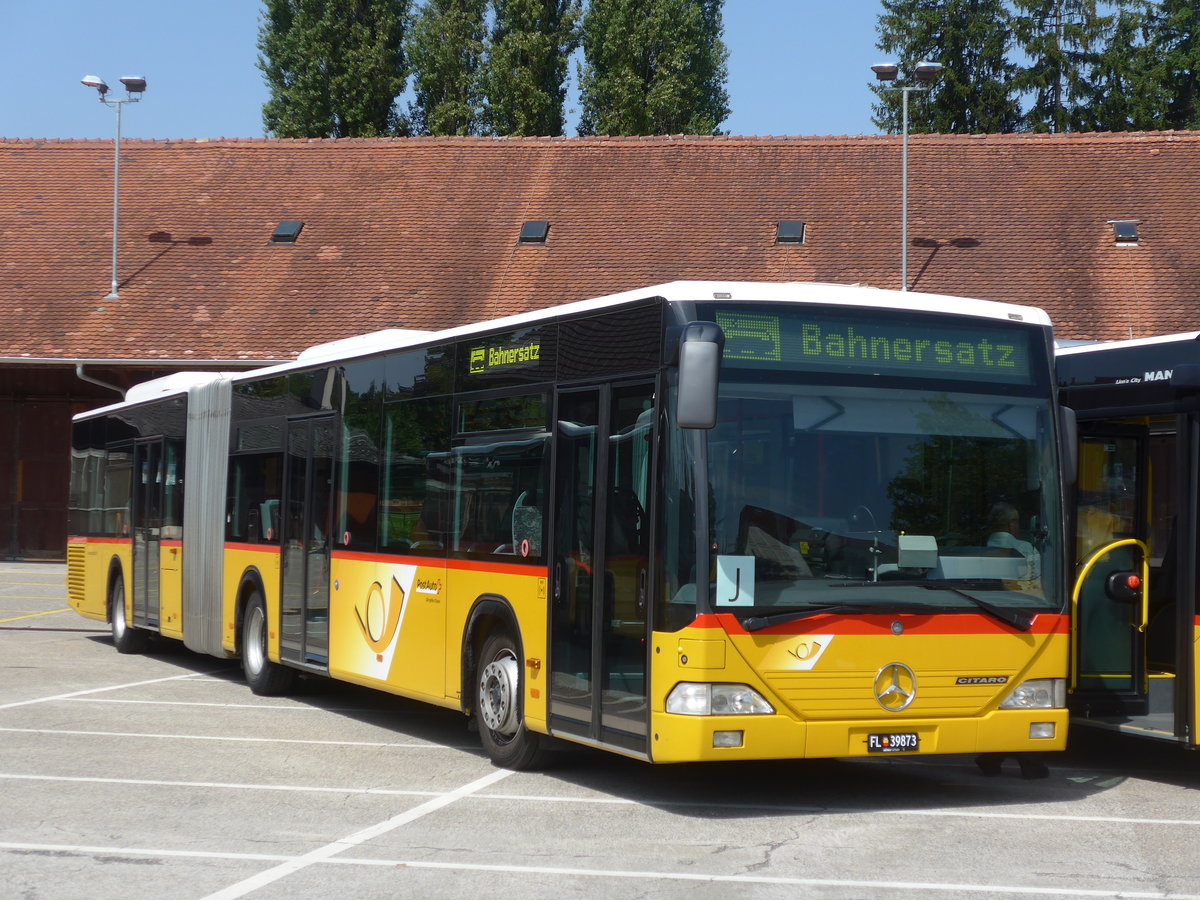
[[255, 642], [498, 694]]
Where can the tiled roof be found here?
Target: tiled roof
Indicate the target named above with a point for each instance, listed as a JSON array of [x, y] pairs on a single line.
[[422, 233]]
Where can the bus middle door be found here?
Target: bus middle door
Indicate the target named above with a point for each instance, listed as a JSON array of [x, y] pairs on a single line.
[[1109, 632], [146, 515], [305, 523], [601, 563]]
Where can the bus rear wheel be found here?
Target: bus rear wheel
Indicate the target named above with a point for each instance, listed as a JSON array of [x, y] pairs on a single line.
[[266, 678], [499, 689], [126, 638]]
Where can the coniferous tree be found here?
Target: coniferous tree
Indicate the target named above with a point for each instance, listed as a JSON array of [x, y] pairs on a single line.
[[1063, 41], [1173, 44], [1127, 93], [525, 72], [334, 67], [971, 39], [653, 67], [444, 45]]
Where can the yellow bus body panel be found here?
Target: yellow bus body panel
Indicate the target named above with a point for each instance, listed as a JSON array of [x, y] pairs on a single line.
[[170, 589], [243, 561], [398, 624], [88, 563], [822, 687]]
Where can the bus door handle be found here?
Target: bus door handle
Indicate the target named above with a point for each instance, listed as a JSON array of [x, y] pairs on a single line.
[[641, 601], [557, 580]]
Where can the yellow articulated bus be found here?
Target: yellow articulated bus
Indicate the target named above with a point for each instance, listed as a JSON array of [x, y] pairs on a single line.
[[698, 521], [1135, 645]]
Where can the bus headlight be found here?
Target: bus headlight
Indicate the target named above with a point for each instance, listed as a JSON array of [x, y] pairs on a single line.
[[692, 698], [1040, 693]]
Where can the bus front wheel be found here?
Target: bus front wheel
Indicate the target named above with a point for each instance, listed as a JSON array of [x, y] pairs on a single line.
[[126, 638], [499, 686], [266, 678]]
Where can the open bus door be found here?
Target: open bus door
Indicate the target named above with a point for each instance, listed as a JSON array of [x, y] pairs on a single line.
[[1132, 650]]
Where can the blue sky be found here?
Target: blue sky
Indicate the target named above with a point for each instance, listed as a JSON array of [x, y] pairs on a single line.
[[796, 67]]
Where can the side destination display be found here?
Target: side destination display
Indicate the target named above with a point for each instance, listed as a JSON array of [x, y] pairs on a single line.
[[823, 340]]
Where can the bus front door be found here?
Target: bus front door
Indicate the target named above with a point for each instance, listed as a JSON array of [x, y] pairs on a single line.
[[601, 564], [146, 529], [305, 541], [1109, 663]]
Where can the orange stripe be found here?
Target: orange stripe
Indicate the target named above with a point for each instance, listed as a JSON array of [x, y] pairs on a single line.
[[462, 565], [874, 623], [101, 540]]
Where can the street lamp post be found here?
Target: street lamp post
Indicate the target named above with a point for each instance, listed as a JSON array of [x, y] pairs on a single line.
[[134, 87], [925, 73]]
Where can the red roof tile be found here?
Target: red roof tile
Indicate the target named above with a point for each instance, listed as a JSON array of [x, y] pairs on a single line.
[[422, 233]]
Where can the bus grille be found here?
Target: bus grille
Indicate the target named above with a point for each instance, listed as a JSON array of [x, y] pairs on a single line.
[[851, 695], [76, 573]]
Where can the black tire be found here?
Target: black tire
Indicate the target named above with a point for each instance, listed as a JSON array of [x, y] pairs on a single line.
[[126, 638], [266, 678], [499, 705]]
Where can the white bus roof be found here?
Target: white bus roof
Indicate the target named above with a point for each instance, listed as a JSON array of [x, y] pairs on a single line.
[[675, 291], [1093, 346]]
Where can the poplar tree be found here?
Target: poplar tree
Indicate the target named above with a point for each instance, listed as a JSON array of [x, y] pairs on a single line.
[[525, 72], [653, 67], [444, 44], [334, 67], [971, 39]]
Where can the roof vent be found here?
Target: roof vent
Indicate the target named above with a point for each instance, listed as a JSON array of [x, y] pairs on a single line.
[[534, 233], [1125, 231], [789, 233], [287, 232]]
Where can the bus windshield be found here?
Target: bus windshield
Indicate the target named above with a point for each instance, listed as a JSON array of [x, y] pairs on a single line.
[[845, 498]]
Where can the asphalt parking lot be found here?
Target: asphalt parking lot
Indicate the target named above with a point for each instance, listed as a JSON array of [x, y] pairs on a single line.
[[162, 775]]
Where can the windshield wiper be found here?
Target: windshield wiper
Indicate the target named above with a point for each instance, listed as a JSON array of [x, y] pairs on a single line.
[[757, 623], [1018, 619]]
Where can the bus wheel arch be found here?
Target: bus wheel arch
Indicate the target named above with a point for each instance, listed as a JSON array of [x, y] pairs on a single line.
[[126, 637], [265, 678], [493, 673]]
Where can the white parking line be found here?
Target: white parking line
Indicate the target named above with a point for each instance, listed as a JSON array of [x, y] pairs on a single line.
[[290, 864], [359, 837], [115, 687], [942, 813], [415, 745]]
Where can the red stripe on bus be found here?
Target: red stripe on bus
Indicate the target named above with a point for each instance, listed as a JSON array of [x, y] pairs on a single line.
[[948, 623], [254, 548], [101, 540], [464, 565]]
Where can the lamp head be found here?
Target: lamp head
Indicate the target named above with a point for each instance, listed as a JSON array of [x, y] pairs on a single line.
[[135, 84], [886, 71], [95, 81], [927, 71]]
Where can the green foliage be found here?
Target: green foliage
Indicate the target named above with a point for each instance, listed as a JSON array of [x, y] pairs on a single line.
[[445, 45], [524, 75], [653, 67], [971, 39], [1063, 40], [334, 67], [1173, 44], [1076, 65]]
